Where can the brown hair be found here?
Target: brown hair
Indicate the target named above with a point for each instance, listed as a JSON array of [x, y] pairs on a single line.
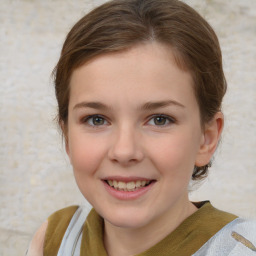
[[120, 24]]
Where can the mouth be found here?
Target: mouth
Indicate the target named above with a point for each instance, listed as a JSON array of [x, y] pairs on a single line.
[[130, 186]]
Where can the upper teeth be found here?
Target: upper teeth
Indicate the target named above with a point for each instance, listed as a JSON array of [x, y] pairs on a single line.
[[129, 186]]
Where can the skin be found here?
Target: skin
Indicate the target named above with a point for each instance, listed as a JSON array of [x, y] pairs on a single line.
[[128, 142], [36, 245], [113, 130]]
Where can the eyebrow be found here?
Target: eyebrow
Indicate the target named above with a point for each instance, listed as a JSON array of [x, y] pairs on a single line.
[[94, 105], [160, 104], [145, 107]]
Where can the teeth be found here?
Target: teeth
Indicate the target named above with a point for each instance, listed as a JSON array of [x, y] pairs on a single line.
[[129, 186], [115, 183], [138, 184], [121, 185]]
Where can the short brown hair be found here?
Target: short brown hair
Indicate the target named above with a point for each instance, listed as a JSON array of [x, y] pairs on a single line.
[[120, 24]]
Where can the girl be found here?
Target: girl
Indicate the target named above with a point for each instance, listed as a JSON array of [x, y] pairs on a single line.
[[139, 86]]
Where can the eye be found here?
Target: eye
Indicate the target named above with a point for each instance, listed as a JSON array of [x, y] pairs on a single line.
[[95, 120], [161, 120]]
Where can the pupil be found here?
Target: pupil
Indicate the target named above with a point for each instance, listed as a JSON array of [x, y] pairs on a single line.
[[98, 120], [160, 120]]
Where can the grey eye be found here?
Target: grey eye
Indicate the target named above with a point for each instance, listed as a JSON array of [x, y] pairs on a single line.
[[98, 120], [95, 120], [160, 120]]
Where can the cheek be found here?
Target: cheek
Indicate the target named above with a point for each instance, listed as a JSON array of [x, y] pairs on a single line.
[[175, 154], [85, 154]]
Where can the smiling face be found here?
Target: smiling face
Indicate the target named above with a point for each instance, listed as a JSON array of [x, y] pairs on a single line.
[[134, 135]]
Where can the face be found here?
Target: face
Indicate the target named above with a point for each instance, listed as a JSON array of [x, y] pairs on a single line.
[[134, 134]]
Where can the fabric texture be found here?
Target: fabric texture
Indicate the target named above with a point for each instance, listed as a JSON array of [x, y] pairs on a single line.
[[71, 242], [57, 225], [235, 239], [185, 240]]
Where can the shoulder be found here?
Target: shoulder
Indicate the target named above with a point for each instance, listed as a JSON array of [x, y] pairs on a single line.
[[37, 243], [57, 226], [243, 228], [47, 238], [63, 215], [236, 238], [211, 219], [206, 222]]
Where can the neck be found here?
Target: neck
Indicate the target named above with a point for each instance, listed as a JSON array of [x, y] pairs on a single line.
[[132, 241]]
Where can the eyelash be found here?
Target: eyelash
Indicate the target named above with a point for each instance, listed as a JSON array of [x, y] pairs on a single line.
[[166, 118], [169, 119], [87, 119]]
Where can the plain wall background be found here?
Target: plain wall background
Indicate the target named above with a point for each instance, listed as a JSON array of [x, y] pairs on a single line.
[[35, 176]]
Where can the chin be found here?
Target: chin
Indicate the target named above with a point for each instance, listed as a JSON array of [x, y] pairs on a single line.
[[127, 219], [127, 223]]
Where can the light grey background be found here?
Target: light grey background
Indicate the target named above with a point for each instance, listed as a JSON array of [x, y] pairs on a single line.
[[35, 176]]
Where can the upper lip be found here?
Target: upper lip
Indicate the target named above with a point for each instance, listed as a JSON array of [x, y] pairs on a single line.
[[126, 179]]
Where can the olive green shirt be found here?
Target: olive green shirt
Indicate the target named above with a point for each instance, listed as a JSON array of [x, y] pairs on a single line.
[[185, 240]]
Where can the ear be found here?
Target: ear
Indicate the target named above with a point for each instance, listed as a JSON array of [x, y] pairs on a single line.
[[210, 138]]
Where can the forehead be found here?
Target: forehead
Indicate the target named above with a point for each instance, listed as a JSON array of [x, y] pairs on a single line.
[[149, 71]]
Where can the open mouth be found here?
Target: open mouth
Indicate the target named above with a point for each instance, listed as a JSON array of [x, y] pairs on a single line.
[[128, 186]]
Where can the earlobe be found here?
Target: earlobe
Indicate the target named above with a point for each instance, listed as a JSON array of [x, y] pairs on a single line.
[[65, 137], [210, 139], [66, 146], [64, 131]]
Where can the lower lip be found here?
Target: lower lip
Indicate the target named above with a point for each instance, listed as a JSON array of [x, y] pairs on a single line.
[[128, 195]]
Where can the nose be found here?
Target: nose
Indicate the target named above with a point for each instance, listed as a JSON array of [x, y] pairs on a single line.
[[126, 146]]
